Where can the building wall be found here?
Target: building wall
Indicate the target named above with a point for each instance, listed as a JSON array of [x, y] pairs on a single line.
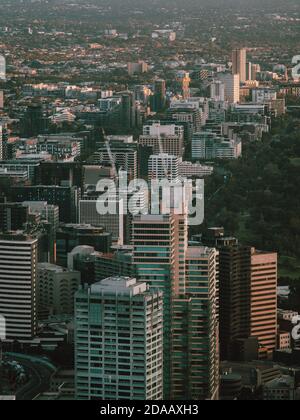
[[18, 262]]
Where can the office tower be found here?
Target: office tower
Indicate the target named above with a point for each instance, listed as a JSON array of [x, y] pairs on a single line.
[[124, 154], [159, 97], [56, 288], [7, 150], [264, 298], [66, 198], [118, 262], [35, 121], [263, 95], [2, 67], [208, 145], [198, 104], [18, 261], [60, 173], [163, 166], [249, 71], [189, 116], [30, 166], [127, 110], [1, 99], [239, 60], [155, 245], [195, 347], [183, 84], [232, 87], [70, 236], [248, 298], [47, 212], [137, 68], [118, 341], [255, 69], [114, 223], [217, 90], [167, 139], [188, 282], [13, 216]]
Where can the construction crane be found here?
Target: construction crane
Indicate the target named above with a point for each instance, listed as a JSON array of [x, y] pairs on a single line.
[[110, 155], [161, 151]]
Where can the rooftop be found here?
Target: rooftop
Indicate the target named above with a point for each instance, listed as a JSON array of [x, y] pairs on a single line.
[[119, 285]]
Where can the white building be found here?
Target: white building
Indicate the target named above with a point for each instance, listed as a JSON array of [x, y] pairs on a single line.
[[119, 341], [2, 67], [208, 145], [167, 139], [194, 170], [262, 95], [163, 166], [18, 264], [232, 87]]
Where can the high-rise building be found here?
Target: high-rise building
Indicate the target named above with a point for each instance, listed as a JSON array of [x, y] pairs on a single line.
[[255, 69], [114, 222], [188, 279], [248, 298], [183, 81], [163, 166], [208, 145], [195, 346], [35, 121], [232, 87], [66, 198], [56, 288], [239, 61], [116, 263], [217, 90], [159, 97], [70, 236], [167, 139], [124, 153], [119, 341], [1, 99], [18, 264], [156, 241], [137, 68], [13, 216], [2, 67]]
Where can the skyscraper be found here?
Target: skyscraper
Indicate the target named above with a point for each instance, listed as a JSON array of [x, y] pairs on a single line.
[[187, 277], [2, 67], [232, 87], [217, 90], [239, 63], [195, 343], [163, 166], [156, 241], [248, 297], [18, 262], [118, 341], [159, 98]]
